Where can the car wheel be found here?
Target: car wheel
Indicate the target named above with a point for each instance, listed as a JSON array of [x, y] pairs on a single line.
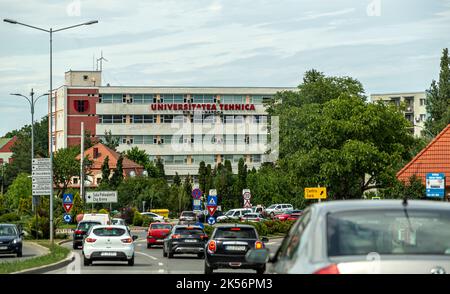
[[261, 270], [149, 246], [86, 261], [75, 246], [208, 270], [19, 254], [131, 261], [201, 255]]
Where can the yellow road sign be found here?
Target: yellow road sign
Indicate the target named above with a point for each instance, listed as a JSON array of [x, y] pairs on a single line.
[[316, 193]]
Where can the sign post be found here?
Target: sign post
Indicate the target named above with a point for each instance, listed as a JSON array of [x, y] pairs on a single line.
[[211, 206], [435, 185], [247, 197]]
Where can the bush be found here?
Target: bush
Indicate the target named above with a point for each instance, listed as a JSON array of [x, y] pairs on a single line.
[[43, 228], [138, 219], [147, 221], [103, 211], [128, 214], [9, 217], [209, 230]]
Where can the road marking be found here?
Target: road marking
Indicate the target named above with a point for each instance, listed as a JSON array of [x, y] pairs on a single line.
[[139, 245], [160, 263], [152, 257], [160, 271]]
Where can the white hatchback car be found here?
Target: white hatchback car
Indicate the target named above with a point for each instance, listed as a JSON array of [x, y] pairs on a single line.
[[109, 243]]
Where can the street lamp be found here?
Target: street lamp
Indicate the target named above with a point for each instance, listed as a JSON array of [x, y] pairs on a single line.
[[50, 31], [428, 131]]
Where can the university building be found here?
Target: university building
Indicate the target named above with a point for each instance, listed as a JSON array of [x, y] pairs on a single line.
[[181, 126]]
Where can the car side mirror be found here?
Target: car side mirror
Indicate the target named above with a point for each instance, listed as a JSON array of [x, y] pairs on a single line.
[[22, 234], [265, 239], [134, 237], [259, 256]]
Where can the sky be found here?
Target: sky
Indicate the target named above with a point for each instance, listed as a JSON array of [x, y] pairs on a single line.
[[388, 45]]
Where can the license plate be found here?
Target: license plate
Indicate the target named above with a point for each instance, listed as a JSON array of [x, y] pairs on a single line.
[[190, 241], [3, 247], [235, 248], [109, 254]]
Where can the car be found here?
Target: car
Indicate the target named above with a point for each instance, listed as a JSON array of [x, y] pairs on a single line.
[[157, 232], [203, 216], [154, 216], [275, 209], [185, 239], [111, 243], [252, 217], [228, 246], [103, 218], [10, 239], [295, 216], [80, 232], [360, 237], [258, 209], [235, 214], [285, 216], [118, 221], [187, 217]]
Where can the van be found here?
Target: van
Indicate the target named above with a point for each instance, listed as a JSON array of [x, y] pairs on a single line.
[[275, 209], [235, 214], [103, 218]]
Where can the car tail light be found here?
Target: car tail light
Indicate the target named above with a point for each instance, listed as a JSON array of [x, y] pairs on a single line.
[[212, 246], [258, 245], [90, 240], [235, 229], [329, 270], [176, 236], [203, 237], [127, 240], [79, 232]]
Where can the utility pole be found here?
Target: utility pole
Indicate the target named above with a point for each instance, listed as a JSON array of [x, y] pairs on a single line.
[[82, 164]]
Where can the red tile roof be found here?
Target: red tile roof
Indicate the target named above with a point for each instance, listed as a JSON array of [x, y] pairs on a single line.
[[104, 151], [7, 147], [435, 158]]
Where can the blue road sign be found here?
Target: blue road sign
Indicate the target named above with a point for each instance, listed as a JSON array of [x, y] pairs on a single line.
[[211, 220], [196, 193], [68, 198], [435, 185], [212, 200], [196, 205], [200, 225], [67, 218]]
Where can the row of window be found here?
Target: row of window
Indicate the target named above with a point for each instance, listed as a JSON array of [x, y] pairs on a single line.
[[181, 98], [208, 159], [191, 139], [169, 118]]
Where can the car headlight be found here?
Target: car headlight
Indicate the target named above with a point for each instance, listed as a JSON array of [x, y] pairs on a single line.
[[15, 241]]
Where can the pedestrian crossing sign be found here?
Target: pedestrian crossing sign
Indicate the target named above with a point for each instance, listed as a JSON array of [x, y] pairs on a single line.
[[68, 198], [212, 200]]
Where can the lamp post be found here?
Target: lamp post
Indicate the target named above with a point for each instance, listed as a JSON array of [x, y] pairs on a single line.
[[426, 130], [50, 97]]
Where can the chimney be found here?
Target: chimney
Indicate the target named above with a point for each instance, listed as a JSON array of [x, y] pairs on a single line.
[[95, 152]]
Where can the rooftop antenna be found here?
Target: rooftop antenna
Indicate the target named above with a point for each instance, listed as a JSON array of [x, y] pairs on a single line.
[[101, 61]]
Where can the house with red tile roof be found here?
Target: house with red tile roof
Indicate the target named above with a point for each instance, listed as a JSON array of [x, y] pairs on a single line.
[[434, 158], [5, 149], [97, 155]]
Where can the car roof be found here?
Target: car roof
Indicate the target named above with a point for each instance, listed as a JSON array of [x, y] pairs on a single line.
[[110, 226], [160, 223], [187, 226], [226, 226]]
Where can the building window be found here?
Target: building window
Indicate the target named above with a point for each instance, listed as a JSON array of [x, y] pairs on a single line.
[[423, 117], [256, 158], [81, 105], [167, 118], [423, 102], [85, 77], [75, 181]]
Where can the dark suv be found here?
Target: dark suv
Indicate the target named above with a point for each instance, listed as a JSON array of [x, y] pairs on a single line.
[[185, 239], [10, 239], [81, 230], [228, 246]]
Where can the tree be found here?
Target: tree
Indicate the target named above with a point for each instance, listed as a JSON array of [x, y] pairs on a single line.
[[160, 169], [177, 180], [187, 185], [138, 156], [209, 183], [77, 206], [66, 166], [241, 182], [117, 176], [412, 189], [106, 172], [151, 169], [438, 98], [89, 141], [110, 141], [202, 177], [18, 192]]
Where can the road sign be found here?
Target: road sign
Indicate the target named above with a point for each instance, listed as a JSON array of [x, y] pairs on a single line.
[[196, 205], [435, 185], [212, 200], [316, 193], [196, 193], [246, 194], [67, 218], [67, 207], [212, 192], [41, 161], [41, 173], [101, 197], [247, 204], [211, 220], [211, 209], [68, 198], [41, 176]]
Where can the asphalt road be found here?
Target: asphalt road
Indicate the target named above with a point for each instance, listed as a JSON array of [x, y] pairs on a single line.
[[29, 250], [147, 261]]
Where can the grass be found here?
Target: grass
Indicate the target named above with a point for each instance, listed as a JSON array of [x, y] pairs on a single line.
[[57, 253], [67, 226]]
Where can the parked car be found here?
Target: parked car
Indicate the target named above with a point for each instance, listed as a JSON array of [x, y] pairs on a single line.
[[184, 239], [103, 218], [154, 216], [81, 230], [10, 239], [252, 217], [275, 209], [187, 217], [258, 209], [228, 246], [118, 221], [157, 232], [359, 236], [111, 243], [285, 216], [295, 215], [235, 214]]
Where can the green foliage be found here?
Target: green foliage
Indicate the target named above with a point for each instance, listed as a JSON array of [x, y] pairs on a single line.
[[18, 191], [412, 189], [146, 221], [160, 169], [103, 211], [9, 217], [176, 179], [138, 219], [138, 156], [117, 177], [110, 141], [105, 171], [65, 166]]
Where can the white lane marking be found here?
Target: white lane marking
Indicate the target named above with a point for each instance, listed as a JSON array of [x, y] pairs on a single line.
[[139, 245], [160, 271], [149, 256], [160, 263]]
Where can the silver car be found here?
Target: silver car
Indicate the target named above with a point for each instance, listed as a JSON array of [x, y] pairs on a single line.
[[365, 237]]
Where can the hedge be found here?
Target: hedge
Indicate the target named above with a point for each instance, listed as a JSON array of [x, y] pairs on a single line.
[[265, 228]]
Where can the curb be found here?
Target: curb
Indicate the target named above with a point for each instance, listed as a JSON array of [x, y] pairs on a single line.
[[50, 267]]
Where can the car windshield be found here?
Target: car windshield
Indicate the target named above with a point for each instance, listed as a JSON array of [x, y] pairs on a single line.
[[84, 226], [229, 213], [235, 233], [160, 226], [189, 231], [109, 232], [272, 206], [8, 231], [388, 232]]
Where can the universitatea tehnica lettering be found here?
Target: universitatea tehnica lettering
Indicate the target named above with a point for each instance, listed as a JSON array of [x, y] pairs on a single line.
[[204, 107]]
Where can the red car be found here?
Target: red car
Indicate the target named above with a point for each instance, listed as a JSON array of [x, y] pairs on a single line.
[[290, 214], [294, 216], [157, 232]]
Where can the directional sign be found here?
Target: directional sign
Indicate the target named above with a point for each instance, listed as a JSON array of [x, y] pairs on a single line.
[[101, 197], [41, 161], [211, 209], [212, 192], [41, 176], [212, 201], [196, 193], [68, 198], [316, 193], [67, 218], [211, 220], [435, 185], [41, 173], [67, 207], [41, 192]]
